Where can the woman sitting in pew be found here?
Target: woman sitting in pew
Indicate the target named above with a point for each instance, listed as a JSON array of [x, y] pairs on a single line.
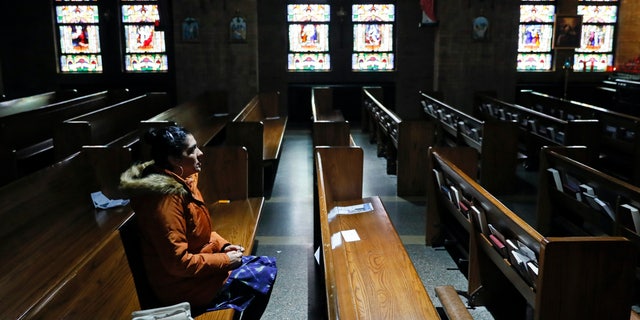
[[184, 259]]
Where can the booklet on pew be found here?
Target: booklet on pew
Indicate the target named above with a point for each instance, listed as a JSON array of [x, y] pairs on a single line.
[[358, 208]]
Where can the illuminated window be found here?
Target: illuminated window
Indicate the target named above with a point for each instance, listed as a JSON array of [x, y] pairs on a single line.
[[79, 36], [373, 40], [596, 44], [535, 34], [145, 49], [308, 37]]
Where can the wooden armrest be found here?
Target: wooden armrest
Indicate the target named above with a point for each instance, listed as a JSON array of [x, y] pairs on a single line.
[[453, 306]]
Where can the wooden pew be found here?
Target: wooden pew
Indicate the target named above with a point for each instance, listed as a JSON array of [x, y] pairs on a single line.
[[495, 142], [329, 127], [103, 285], [618, 142], [260, 128], [26, 137], [537, 129], [205, 116], [37, 101], [574, 273], [402, 142], [49, 228], [371, 278], [559, 210], [117, 124]]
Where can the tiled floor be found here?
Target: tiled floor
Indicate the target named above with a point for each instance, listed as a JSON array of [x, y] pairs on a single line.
[[286, 230]]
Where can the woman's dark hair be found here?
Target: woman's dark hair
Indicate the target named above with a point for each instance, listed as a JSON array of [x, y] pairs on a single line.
[[165, 142]]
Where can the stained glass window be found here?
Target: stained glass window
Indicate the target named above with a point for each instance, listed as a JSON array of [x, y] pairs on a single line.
[[535, 34], [373, 40], [145, 48], [308, 37], [78, 33], [596, 44]]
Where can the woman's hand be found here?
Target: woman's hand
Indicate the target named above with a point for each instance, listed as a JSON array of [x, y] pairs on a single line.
[[234, 247], [235, 257]]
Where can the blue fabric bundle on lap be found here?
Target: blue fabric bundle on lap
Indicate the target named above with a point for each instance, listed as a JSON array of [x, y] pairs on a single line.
[[255, 276]]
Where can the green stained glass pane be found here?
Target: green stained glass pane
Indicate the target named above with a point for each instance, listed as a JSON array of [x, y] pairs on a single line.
[[598, 14], [81, 63], [140, 13], [308, 13], [77, 14], [373, 12], [309, 62], [372, 62], [537, 13], [146, 62], [534, 62], [588, 62]]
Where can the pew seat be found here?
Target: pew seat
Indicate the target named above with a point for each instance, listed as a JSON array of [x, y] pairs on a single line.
[[369, 276]]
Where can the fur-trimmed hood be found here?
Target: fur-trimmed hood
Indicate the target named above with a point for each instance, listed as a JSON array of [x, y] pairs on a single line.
[[135, 182]]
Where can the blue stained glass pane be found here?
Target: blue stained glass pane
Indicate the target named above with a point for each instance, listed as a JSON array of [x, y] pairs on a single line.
[[308, 37], [535, 37]]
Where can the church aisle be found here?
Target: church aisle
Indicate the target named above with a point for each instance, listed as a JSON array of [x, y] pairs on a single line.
[[286, 230]]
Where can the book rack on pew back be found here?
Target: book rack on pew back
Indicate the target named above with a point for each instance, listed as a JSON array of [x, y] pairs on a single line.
[[402, 142], [580, 200], [116, 124], [26, 133], [495, 142], [618, 143], [329, 126], [260, 128], [537, 129], [372, 277], [513, 267], [88, 274], [205, 116]]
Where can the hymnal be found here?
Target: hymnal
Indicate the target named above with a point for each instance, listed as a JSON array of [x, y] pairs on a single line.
[[455, 194], [496, 233], [585, 188], [606, 208], [498, 245], [635, 215], [482, 220], [438, 175], [555, 176], [523, 249], [533, 271]]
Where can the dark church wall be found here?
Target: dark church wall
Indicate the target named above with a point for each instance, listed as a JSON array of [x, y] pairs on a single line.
[[28, 53], [414, 62]]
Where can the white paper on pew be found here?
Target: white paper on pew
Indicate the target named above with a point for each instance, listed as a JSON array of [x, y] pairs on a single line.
[[100, 201], [336, 240], [358, 208], [350, 235]]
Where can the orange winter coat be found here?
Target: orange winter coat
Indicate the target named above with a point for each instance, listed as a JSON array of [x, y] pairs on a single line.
[[181, 253]]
